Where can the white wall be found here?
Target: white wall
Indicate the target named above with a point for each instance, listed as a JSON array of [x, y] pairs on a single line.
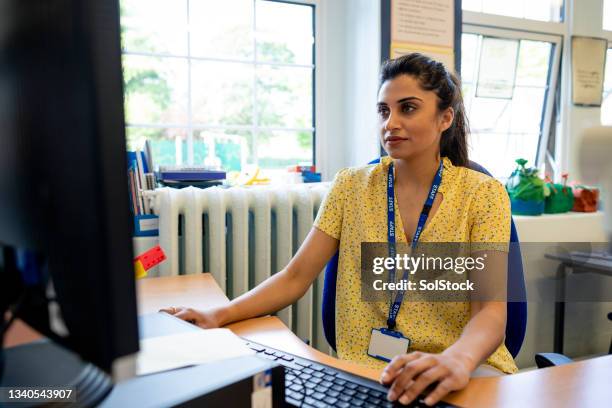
[[584, 18], [349, 55]]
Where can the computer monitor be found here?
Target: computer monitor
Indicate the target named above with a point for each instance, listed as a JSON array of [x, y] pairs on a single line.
[[64, 207]]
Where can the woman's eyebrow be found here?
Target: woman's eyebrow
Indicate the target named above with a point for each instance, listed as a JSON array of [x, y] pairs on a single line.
[[409, 98]]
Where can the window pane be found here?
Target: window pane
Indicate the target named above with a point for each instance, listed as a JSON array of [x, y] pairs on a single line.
[[469, 53], [526, 111], [284, 32], [606, 106], [228, 149], [277, 150], [485, 147], [222, 93], [168, 145], [157, 26], [503, 7], [221, 29], [533, 63], [284, 97], [497, 67], [506, 129], [155, 89], [607, 15], [543, 10]]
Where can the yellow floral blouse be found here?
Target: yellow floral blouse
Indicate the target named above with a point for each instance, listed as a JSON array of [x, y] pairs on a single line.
[[475, 208]]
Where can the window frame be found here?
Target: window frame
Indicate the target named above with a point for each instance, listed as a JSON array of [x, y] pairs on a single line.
[[522, 28], [191, 127], [553, 73]]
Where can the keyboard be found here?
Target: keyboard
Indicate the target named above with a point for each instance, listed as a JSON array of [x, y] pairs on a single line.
[[311, 384]]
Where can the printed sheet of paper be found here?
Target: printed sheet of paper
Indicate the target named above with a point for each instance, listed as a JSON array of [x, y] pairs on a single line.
[[429, 22], [588, 59], [186, 349]]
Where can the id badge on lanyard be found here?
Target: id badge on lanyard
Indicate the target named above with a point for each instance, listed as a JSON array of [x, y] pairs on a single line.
[[386, 343]]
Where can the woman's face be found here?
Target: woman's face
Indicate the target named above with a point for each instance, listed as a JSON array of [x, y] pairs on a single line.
[[409, 120]]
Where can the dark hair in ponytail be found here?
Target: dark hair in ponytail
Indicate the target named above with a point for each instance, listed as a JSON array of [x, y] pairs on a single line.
[[433, 76]]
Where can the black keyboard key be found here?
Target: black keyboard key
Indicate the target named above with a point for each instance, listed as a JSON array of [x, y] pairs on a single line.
[[308, 384], [345, 398], [269, 352], [357, 403], [303, 363], [363, 389], [317, 374], [376, 394], [315, 403], [293, 402], [337, 387], [307, 371], [339, 381], [322, 389], [288, 364], [317, 367], [329, 371], [287, 358], [305, 377], [326, 384], [315, 380], [369, 405], [296, 388], [351, 385], [318, 395], [333, 393], [295, 395], [361, 396], [342, 404], [330, 400], [373, 400], [349, 392], [329, 378]]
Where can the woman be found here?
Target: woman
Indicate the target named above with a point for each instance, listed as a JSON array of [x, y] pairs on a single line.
[[424, 131]]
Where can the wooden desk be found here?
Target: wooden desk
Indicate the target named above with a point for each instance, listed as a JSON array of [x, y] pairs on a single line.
[[585, 383]]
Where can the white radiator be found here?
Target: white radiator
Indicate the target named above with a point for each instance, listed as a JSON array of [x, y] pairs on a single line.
[[242, 236]]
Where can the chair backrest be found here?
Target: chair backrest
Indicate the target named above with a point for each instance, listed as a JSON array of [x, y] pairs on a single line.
[[516, 322]]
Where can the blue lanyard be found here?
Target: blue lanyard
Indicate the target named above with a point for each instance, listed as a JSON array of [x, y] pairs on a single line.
[[395, 305]]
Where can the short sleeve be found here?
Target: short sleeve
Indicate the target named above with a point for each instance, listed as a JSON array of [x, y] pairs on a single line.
[[331, 213], [490, 217]]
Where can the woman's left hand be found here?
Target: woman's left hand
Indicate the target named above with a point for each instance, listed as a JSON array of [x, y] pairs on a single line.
[[410, 374]]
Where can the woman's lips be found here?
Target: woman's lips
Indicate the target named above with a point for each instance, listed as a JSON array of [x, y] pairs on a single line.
[[394, 140]]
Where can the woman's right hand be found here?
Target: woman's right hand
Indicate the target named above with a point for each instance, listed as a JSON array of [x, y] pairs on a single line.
[[206, 319]]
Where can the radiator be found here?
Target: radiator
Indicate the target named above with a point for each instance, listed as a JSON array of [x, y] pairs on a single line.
[[242, 236]]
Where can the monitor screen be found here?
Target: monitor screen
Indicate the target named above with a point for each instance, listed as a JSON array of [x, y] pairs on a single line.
[[66, 266]]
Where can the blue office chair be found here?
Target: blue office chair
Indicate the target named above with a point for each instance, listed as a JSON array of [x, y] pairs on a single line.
[[516, 322]]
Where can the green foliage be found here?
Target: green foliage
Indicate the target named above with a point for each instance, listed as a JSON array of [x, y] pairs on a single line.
[[524, 183], [269, 51]]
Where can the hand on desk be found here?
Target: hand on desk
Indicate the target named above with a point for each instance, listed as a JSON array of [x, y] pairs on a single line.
[[410, 374], [206, 319]]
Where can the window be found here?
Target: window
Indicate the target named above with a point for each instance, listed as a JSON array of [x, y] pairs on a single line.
[[507, 78], [606, 106], [223, 83], [543, 10], [607, 15]]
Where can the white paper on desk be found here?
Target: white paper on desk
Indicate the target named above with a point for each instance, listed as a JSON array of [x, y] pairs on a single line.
[[186, 349]]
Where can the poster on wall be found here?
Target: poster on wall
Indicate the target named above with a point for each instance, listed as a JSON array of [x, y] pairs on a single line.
[[588, 62], [425, 26]]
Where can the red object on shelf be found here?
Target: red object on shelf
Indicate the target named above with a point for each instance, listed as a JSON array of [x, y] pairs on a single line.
[[152, 257]]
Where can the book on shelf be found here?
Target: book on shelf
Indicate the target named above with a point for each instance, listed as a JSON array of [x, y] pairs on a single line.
[[139, 180]]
